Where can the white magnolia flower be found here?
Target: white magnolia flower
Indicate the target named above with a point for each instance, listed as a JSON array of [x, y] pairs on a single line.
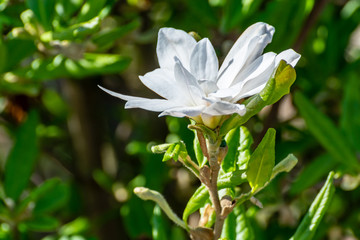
[[191, 84]]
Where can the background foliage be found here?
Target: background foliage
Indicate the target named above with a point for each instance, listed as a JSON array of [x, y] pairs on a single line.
[[70, 155]]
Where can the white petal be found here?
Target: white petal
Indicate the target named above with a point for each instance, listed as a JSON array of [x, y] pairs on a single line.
[[187, 81], [204, 64], [155, 105], [290, 56], [162, 82], [118, 95], [224, 108], [183, 111], [174, 43], [247, 48], [254, 75]]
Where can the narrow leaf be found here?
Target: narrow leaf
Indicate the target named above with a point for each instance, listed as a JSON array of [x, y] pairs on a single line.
[[350, 117], [158, 225], [311, 221], [246, 141], [22, 157], [326, 132], [233, 141], [262, 161]]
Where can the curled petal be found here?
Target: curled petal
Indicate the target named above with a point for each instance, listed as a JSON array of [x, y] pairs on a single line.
[[247, 48], [290, 56], [174, 43]]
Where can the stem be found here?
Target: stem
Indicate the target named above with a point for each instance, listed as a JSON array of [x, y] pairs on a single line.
[[213, 151]]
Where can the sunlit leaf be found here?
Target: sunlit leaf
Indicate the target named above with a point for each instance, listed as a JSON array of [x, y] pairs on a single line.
[[262, 161], [233, 141], [318, 208]]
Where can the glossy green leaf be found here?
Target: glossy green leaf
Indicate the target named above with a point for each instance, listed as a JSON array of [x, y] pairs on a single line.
[[158, 225], [196, 202], [244, 154], [350, 117], [313, 172], [244, 229], [42, 223], [43, 10], [201, 159], [237, 226], [22, 158], [318, 208], [76, 31], [233, 141], [262, 161], [276, 88], [326, 132]]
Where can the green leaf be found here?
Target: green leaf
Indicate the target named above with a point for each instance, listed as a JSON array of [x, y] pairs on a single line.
[[54, 198], [276, 88], [19, 49], [76, 31], [158, 225], [43, 10], [237, 226], [312, 173], [350, 117], [311, 221], [22, 158], [246, 141], [90, 9], [244, 229], [262, 161], [326, 132], [233, 141], [77, 226], [284, 165], [197, 201], [50, 195], [107, 38], [42, 223], [201, 159]]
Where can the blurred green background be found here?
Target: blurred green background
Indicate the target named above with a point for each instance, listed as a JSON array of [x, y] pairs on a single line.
[[70, 155]]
